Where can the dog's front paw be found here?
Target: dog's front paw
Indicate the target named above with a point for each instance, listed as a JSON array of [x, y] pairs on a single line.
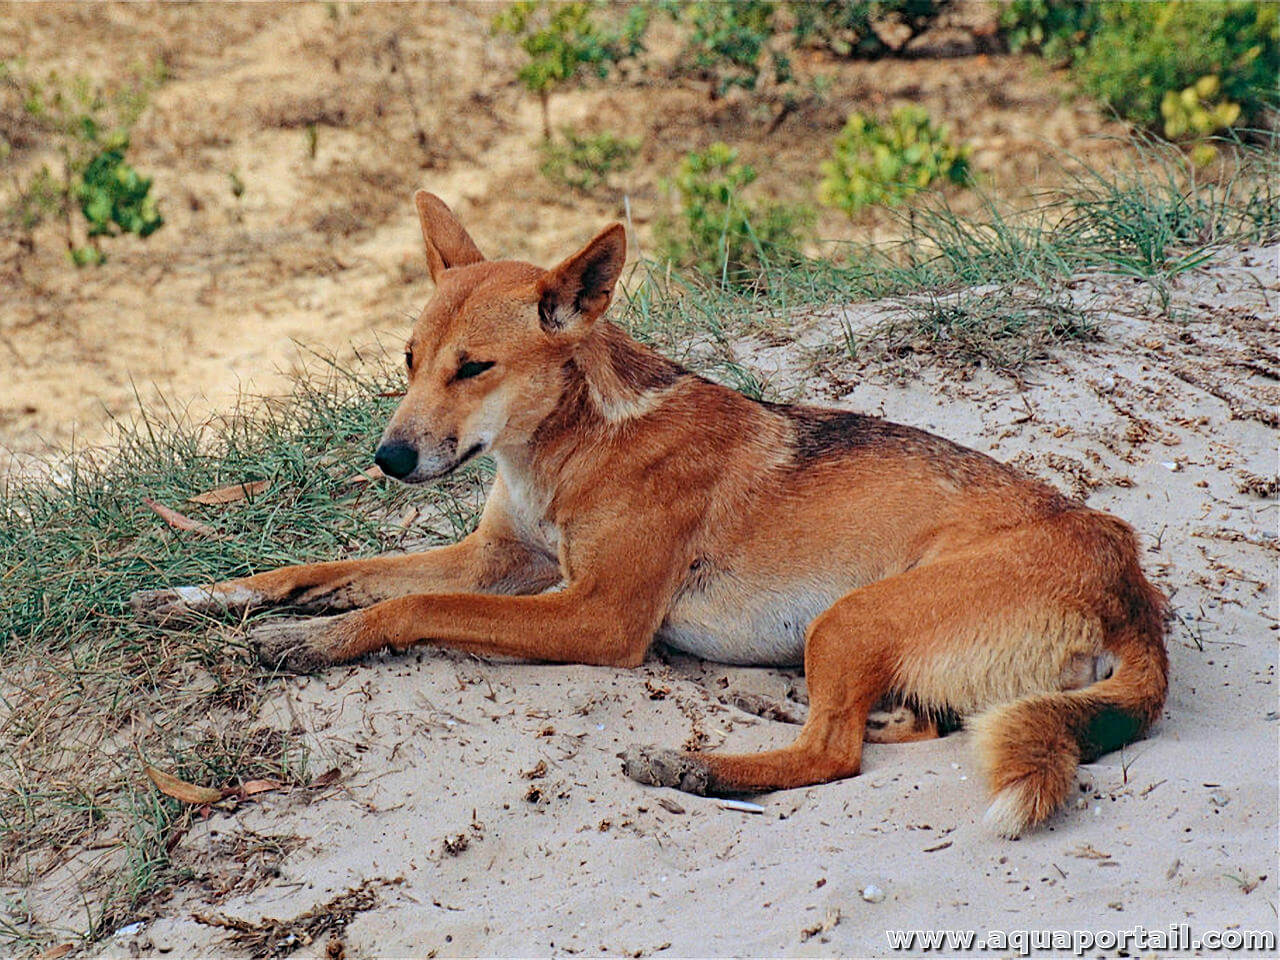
[[188, 604], [660, 767], [301, 646]]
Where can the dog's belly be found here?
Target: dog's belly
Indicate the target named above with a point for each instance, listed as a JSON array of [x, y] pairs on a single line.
[[738, 623]]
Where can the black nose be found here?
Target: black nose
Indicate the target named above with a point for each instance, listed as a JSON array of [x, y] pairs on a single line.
[[396, 459]]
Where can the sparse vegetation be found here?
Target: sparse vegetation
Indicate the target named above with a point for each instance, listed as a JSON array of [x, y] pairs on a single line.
[[1183, 69], [731, 44], [1004, 328], [1141, 51], [78, 671], [884, 163], [585, 161], [859, 29], [88, 126], [565, 40], [721, 231], [748, 44], [1053, 29]]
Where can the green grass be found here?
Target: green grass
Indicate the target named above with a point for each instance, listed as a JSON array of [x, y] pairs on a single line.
[[87, 695], [1004, 329]]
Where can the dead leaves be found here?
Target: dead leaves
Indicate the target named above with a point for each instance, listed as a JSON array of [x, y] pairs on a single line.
[[199, 796], [369, 475], [231, 494], [180, 521], [171, 786], [236, 492]]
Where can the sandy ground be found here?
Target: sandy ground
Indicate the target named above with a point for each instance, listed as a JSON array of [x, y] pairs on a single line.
[[481, 810]]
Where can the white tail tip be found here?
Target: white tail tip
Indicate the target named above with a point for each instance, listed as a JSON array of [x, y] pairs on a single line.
[[1007, 815]]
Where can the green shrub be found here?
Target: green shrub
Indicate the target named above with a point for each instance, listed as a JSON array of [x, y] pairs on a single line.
[[884, 163], [567, 39], [585, 161], [115, 198], [719, 231], [1198, 112], [847, 29], [729, 43], [89, 127], [1054, 29], [1142, 51]]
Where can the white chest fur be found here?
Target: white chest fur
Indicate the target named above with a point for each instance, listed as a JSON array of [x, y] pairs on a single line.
[[528, 504]]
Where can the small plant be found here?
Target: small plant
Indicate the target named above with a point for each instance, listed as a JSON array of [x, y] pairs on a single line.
[[729, 43], [883, 163], [1142, 51], [1198, 113], [566, 39], [115, 198], [1051, 28], [585, 161], [719, 231], [89, 128]]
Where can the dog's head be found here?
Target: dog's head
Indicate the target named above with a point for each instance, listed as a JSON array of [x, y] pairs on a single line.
[[485, 359]]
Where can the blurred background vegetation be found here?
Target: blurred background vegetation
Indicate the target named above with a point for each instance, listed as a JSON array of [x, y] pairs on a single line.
[[185, 194], [1189, 72]]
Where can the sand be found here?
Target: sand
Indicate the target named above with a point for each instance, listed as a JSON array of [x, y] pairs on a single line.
[[480, 808]]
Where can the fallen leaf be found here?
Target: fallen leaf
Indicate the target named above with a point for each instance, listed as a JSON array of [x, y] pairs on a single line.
[[171, 786], [231, 494], [181, 522], [253, 787], [326, 779], [61, 950], [364, 476]]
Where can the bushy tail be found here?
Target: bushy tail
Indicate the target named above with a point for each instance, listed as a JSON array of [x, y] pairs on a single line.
[[1030, 748]]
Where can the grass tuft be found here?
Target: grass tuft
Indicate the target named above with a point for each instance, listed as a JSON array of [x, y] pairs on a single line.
[[87, 695]]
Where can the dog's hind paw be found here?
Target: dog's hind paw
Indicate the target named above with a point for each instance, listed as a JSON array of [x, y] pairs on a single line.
[[661, 767], [299, 646]]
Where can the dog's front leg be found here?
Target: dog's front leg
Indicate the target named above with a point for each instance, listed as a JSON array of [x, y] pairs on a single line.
[[563, 627], [476, 563]]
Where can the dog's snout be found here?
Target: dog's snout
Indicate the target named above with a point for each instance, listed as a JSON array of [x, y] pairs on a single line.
[[396, 459]]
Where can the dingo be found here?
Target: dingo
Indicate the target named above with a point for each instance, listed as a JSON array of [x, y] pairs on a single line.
[[898, 566]]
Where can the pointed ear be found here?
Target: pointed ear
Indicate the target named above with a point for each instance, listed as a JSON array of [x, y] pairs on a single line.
[[577, 292], [448, 245]]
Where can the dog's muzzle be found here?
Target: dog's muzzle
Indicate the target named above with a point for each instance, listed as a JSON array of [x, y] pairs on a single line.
[[405, 463]]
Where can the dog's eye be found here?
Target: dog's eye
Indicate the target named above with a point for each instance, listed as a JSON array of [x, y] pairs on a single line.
[[408, 357], [472, 368]]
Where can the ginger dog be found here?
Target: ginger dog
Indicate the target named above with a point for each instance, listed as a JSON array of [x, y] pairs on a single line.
[[898, 566]]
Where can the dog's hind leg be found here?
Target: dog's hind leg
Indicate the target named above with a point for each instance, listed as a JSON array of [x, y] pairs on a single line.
[[983, 626], [892, 721], [849, 666]]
